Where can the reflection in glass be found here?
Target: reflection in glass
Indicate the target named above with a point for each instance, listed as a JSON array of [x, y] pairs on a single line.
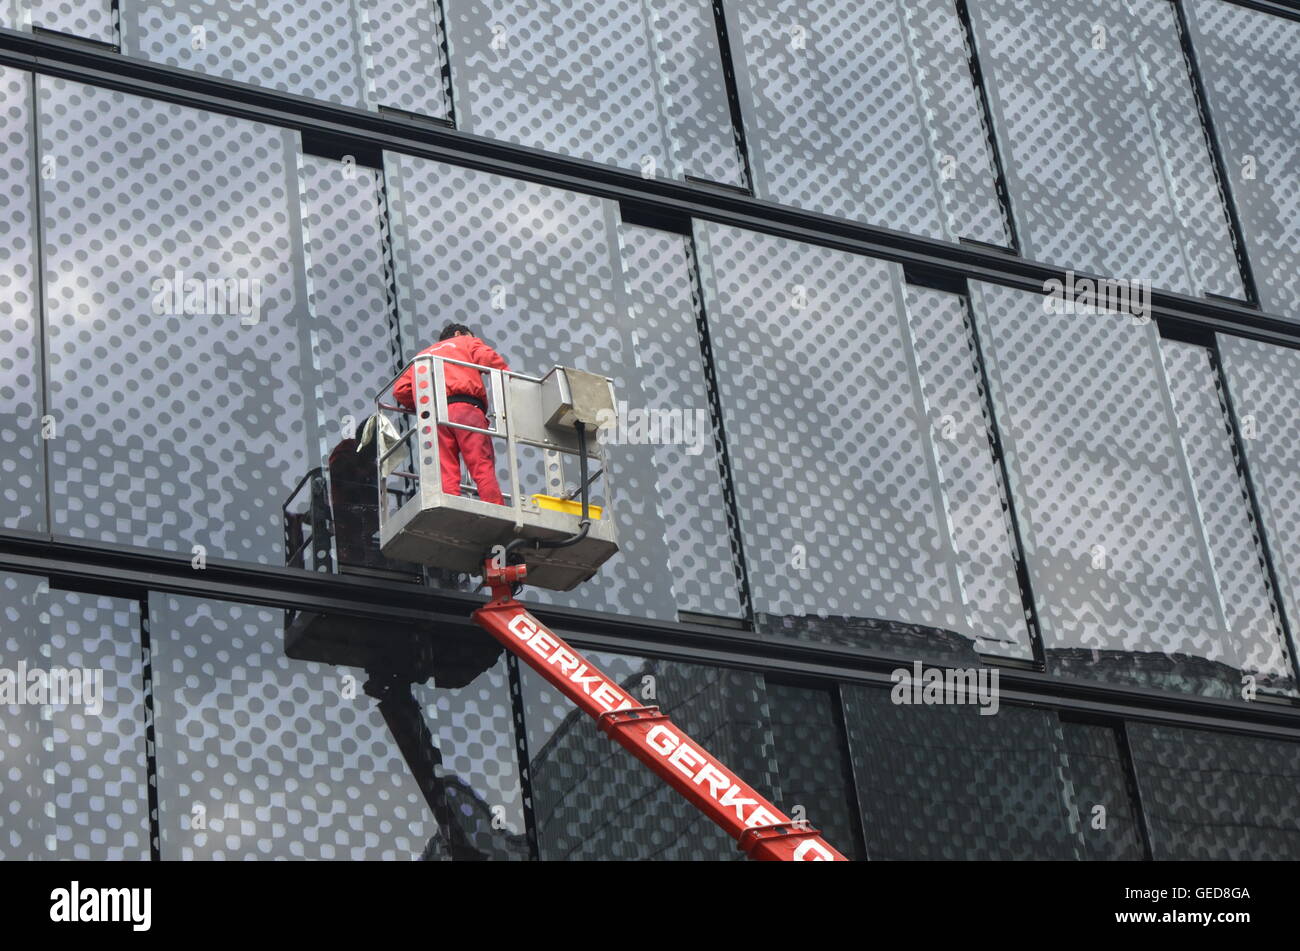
[[308, 47], [1106, 159], [632, 83], [1116, 552], [837, 486], [175, 299], [865, 109], [1250, 65], [22, 452]]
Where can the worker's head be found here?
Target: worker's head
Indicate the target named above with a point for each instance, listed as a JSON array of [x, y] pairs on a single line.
[[455, 330]]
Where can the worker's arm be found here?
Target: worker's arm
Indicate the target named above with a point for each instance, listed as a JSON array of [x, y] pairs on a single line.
[[402, 389], [485, 356]]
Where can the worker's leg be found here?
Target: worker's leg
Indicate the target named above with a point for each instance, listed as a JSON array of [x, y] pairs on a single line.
[[480, 457], [449, 455]]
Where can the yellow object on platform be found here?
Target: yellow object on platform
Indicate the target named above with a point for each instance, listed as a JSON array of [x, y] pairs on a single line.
[[568, 506]]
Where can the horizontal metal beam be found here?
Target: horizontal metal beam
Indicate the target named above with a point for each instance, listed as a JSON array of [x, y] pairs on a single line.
[[131, 573], [351, 129]]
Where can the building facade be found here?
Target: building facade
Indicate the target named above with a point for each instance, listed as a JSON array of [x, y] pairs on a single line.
[[960, 335]]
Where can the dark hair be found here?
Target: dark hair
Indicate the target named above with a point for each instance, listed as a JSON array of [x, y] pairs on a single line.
[[452, 329]]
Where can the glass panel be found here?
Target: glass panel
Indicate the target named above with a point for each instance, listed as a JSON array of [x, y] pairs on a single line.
[[474, 728], [26, 814], [667, 347], [1264, 384], [1250, 65], [355, 333], [593, 800], [175, 304], [593, 80], [1217, 796], [1117, 558], [942, 782], [260, 756], [1108, 811], [308, 47], [88, 19], [99, 771], [22, 452], [843, 522], [972, 482], [1107, 163], [1257, 645], [406, 58], [860, 110], [815, 776], [13, 15], [535, 271]]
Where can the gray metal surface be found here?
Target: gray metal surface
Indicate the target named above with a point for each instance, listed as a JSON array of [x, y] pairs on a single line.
[[660, 284], [88, 19], [280, 758], [535, 272], [1264, 385], [1250, 63], [98, 777], [26, 825], [405, 56], [22, 451], [1117, 557], [974, 496], [1107, 164], [864, 111], [173, 430], [836, 481], [1257, 645], [309, 47], [595, 80]]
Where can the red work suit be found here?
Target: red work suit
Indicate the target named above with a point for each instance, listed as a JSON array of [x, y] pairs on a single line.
[[466, 404]]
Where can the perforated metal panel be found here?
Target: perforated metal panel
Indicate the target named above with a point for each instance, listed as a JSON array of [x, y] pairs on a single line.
[[275, 758], [973, 493], [1264, 385], [474, 728], [955, 122], [1250, 64], [99, 774], [13, 15], [22, 453], [835, 477], [855, 110], [1116, 554], [1106, 160], [592, 80], [815, 777], [88, 19], [405, 55], [309, 47], [667, 349], [693, 90], [352, 315], [1257, 645], [1108, 814], [173, 431], [945, 783], [593, 800], [535, 271], [26, 810], [1214, 796]]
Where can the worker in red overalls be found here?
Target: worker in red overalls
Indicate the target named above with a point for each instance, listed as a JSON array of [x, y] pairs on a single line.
[[466, 404]]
